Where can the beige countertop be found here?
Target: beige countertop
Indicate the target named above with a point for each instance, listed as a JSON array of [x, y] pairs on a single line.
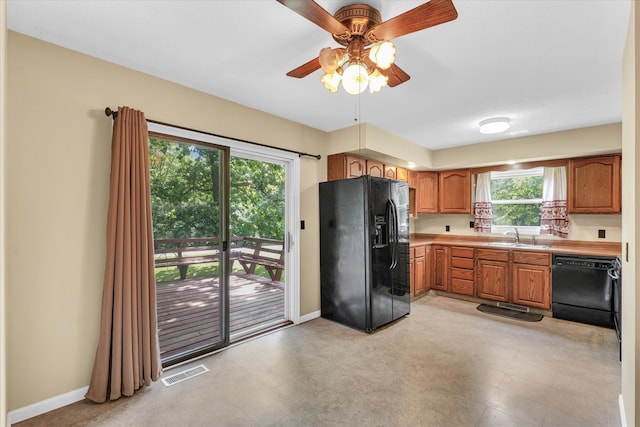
[[542, 244]]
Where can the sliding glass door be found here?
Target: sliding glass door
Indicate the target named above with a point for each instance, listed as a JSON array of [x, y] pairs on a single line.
[[189, 194]]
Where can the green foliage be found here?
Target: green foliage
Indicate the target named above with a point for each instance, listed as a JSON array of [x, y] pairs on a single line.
[[517, 188], [257, 199], [185, 193]]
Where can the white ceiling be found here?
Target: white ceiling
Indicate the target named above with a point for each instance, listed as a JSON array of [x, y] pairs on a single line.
[[548, 65]]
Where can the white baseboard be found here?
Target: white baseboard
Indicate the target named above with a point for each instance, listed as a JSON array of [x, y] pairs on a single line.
[[309, 316], [47, 405], [623, 419]]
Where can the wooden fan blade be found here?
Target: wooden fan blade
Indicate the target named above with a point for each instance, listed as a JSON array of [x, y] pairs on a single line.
[[305, 69], [315, 13], [395, 74], [424, 16]]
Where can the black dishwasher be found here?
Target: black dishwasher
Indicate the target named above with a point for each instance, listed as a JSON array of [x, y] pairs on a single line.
[[582, 289]]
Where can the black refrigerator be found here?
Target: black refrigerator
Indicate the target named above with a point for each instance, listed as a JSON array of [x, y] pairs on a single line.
[[364, 251]]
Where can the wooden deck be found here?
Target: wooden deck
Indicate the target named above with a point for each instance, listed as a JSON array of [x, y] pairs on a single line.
[[188, 310]]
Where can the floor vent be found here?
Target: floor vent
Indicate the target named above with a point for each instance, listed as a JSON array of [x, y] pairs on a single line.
[[184, 375], [513, 306]]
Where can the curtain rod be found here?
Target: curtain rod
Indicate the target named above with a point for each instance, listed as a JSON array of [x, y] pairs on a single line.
[[109, 112]]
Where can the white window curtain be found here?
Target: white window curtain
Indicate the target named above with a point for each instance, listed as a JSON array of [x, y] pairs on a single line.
[[554, 218], [482, 208]]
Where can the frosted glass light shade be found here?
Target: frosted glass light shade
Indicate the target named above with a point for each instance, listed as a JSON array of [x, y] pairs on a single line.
[[383, 54], [331, 81], [355, 79], [377, 81], [330, 59], [494, 125]]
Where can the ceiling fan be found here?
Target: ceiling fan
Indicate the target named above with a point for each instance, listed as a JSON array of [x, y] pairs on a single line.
[[368, 55]]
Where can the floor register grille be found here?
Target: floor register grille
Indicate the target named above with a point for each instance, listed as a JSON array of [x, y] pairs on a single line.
[[184, 375]]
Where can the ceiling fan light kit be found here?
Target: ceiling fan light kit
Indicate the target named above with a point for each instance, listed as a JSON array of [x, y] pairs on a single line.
[[494, 125], [369, 57]]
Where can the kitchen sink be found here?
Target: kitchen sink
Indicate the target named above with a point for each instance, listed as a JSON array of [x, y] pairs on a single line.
[[517, 245]]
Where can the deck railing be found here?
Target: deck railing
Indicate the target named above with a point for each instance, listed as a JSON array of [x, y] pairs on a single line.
[[248, 251]]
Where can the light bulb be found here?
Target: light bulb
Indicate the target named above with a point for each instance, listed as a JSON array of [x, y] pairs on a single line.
[[355, 79], [383, 54]]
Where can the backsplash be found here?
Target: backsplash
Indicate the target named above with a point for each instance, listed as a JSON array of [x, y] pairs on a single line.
[[581, 227]]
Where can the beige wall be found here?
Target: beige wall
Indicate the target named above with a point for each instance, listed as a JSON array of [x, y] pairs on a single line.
[[581, 227], [3, 86], [630, 222], [58, 148], [571, 143]]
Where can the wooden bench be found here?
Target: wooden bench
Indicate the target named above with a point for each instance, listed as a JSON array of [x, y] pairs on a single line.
[[268, 253], [248, 251]]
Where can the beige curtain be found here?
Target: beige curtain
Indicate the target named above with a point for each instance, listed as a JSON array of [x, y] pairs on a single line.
[[128, 355], [554, 219], [482, 207]]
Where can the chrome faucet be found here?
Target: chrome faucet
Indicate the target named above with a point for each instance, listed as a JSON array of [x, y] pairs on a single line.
[[515, 234]]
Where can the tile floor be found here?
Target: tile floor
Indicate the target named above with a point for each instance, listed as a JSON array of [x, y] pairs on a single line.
[[446, 364]]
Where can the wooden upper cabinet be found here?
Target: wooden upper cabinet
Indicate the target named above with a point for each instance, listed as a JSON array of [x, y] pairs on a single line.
[[594, 185], [390, 172], [402, 174], [341, 166], [427, 192], [412, 178], [455, 191], [375, 168]]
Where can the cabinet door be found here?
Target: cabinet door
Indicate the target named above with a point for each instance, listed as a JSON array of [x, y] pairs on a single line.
[[594, 185], [390, 172], [375, 168], [412, 271], [402, 174], [420, 276], [412, 178], [531, 285], [341, 166], [440, 268], [455, 191], [492, 279], [427, 192]]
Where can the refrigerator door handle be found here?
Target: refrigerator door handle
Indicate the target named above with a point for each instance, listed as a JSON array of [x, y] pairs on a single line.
[[393, 232], [389, 215]]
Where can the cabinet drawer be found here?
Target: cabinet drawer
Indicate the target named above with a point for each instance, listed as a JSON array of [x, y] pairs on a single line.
[[457, 251], [493, 254], [534, 258], [461, 286], [462, 262], [420, 251], [462, 273], [412, 253]]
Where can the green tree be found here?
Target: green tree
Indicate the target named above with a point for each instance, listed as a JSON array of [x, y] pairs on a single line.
[[185, 194], [517, 188]]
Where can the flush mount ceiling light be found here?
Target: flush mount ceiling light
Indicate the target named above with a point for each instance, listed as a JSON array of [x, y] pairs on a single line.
[[367, 58], [494, 125]]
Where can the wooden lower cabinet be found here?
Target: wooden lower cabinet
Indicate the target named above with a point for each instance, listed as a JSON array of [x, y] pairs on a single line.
[[531, 285], [492, 275], [420, 270], [531, 279], [440, 259], [462, 277]]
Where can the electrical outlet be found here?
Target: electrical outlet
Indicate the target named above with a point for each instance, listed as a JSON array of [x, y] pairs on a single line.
[[447, 228], [302, 224], [471, 224], [602, 234]]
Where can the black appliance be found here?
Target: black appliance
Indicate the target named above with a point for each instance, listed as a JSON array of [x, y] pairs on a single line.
[[583, 289], [364, 251], [615, 274]]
